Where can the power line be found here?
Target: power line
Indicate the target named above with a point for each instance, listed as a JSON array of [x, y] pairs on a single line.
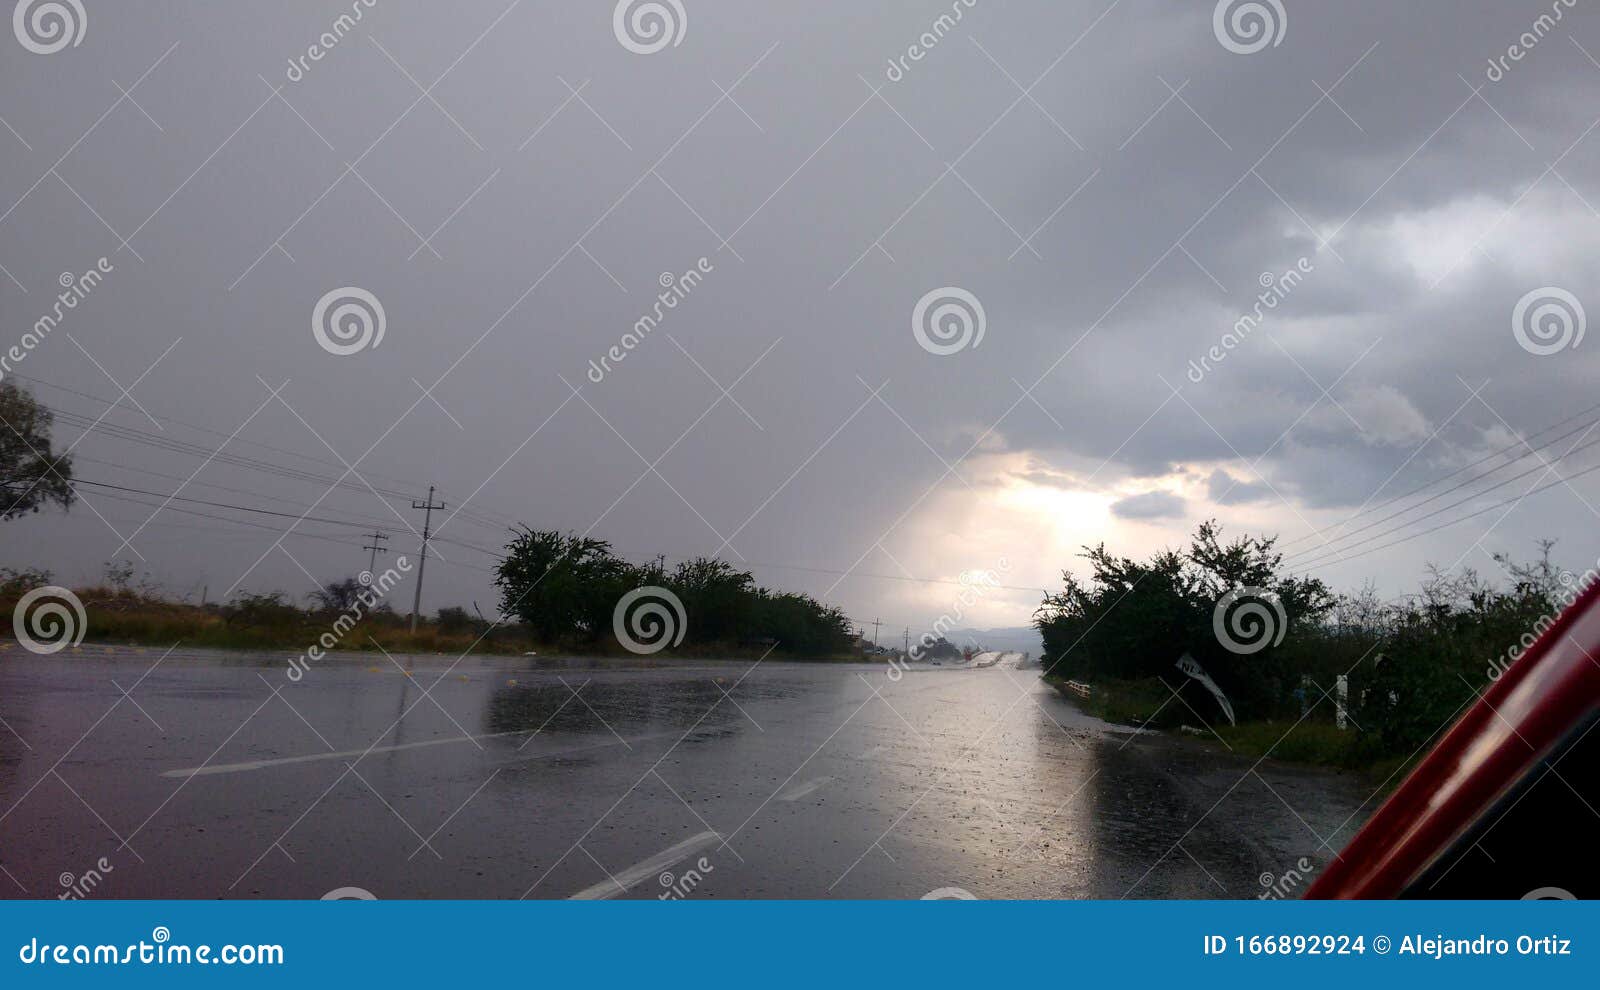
[[118, 404], [493, 553], [1528, 451], [1472, 515], [1523, 443], [246, 508], [175, 445], [1316, 557], [450, 541], [329, 538], [217, 455], [234, 523], [190, 483], [1309, 557], [481, 516], [224, 505]]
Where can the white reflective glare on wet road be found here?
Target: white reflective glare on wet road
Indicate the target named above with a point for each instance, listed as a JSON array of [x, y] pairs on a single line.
[[556, 778]]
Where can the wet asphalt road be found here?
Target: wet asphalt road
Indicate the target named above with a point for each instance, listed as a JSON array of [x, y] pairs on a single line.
[[216, 776]]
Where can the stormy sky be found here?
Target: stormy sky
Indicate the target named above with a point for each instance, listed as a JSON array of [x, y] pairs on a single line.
[[966, 291]]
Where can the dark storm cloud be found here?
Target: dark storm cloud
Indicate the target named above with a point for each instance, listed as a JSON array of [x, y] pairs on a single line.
[[513, 184]]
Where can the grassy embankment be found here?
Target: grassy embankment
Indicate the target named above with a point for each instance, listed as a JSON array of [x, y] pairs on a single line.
[[1314, 741], [127, 617], [130, 617]]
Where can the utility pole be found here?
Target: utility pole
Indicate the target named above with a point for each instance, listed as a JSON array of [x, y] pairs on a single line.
[[376, 537], [427, 520], [875, 624]]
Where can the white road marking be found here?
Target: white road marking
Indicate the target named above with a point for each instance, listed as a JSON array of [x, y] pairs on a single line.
[[631, 877], [351, 753], [810, 786]]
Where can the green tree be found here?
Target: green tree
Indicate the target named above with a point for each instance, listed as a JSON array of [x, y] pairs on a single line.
[[561, 585], [1134, 619], [31, 474], [718, 597], [797, 623]]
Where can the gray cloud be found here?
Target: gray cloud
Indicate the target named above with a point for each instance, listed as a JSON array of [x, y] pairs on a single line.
[[515, 232], [1224, 489], [1150, 505]]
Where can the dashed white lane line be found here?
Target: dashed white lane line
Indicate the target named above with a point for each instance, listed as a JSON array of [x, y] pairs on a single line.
[[633, 875], [801, 790], [249, 765]]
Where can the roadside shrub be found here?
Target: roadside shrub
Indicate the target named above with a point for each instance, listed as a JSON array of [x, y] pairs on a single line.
[[565, 588], [1411, 665]]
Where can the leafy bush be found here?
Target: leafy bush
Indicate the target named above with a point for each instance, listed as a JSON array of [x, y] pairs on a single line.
[[1135, 619], [269, 610], [566, 588], [1411, 666], [1444, 646]]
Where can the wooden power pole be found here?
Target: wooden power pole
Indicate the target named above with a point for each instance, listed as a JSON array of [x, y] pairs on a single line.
[[422, 561]]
